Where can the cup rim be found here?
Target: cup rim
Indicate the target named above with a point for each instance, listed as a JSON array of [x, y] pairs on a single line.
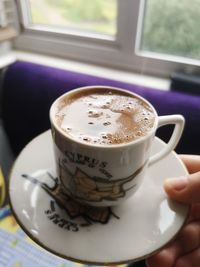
[[105, 146]]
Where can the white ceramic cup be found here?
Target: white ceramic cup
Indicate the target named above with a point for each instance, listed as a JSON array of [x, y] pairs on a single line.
[[106, 175]]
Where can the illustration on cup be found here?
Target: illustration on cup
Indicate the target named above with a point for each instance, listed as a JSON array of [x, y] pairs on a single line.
[[84, 187]]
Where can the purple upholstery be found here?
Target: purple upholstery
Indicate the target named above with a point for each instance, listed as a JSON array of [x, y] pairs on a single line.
[[29, 90]]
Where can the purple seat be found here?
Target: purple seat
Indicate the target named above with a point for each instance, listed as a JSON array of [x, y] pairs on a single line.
[[29, 90]]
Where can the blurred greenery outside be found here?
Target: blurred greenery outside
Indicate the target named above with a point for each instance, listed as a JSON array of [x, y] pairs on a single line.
[[170, 27], [95, 16]]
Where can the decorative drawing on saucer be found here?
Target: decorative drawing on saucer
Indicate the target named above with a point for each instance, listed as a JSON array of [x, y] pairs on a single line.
[[75, 210]]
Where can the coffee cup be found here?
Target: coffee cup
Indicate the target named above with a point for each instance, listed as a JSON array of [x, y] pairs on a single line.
[[102, 139]]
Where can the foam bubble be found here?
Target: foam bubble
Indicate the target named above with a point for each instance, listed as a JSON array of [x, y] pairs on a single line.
[[106, 123]]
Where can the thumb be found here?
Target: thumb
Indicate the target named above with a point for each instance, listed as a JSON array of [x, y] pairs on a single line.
[[185, 189]]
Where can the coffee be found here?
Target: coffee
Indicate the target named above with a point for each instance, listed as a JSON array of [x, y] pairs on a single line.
[[104, 116]]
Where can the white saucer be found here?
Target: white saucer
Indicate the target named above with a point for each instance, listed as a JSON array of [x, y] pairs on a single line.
[[126, 233]]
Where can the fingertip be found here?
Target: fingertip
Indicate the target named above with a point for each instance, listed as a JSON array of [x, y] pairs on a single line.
[[175, 184], [184, 189]]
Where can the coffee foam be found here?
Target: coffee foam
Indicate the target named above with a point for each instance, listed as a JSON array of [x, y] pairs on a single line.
[[104, 117]]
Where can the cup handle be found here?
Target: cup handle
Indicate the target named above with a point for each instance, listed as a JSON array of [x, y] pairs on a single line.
[[179, 123]]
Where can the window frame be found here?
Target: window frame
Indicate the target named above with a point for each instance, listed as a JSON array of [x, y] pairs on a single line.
[[121, 52]]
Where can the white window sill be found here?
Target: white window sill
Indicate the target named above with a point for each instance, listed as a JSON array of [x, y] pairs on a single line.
[[113, 74]]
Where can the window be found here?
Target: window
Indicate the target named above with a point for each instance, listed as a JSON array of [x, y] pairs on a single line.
[[152, 36], [172, 28], [98, 16]]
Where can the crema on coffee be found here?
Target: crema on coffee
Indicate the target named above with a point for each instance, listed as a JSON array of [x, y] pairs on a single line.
[[104, 117]]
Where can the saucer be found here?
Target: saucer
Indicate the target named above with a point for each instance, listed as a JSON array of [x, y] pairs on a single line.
[[126, 233]]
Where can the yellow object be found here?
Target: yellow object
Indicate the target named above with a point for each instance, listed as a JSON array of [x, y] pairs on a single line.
[[2, 188]]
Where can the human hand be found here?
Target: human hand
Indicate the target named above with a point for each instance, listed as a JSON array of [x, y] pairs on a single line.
[[184, 251]]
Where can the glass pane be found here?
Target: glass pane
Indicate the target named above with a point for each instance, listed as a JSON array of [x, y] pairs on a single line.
[[87, 15], [172, 27]]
